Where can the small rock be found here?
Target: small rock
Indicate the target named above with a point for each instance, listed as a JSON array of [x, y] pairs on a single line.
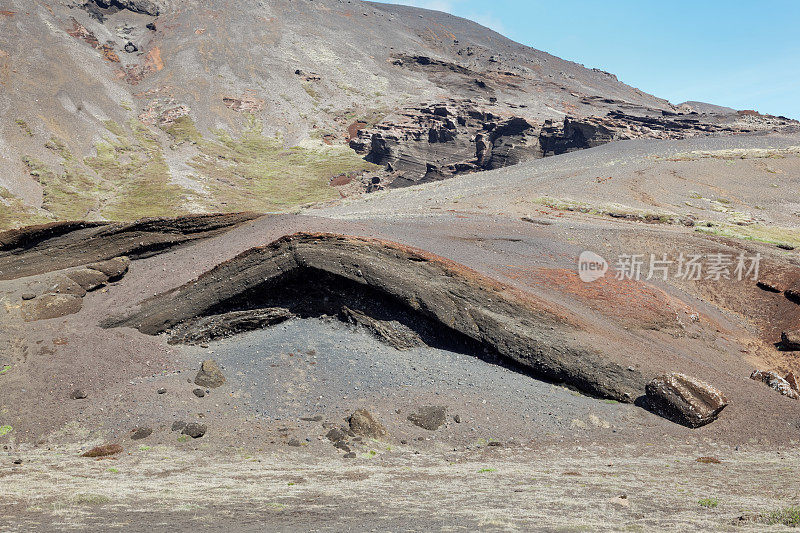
[[294, 442], [194, 430], [162, 390], [130, 47], [350, 455], [685, 400], [364, 424], [784, 246], [429, 417], [141, 433], [103, 451], [79, 394], [199, 393], [28, 296], [178, 425], [457, 419], [336, 435], [495, 443], [210, 375], [17, 461], [776, 382], [342, 445]]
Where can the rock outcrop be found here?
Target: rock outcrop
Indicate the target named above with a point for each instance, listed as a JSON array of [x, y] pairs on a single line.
[[685, 400], [308, 270], [39, 249], [429, 417]]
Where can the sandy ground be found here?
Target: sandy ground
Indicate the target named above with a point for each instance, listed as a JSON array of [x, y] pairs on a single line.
[[658, 487]]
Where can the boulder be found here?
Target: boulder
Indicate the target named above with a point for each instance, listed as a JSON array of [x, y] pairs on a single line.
[[51, 306], [776, 382], [114, 269], [179, 425], [790, 340], [194, 430], [429, 417], [103, 451], [363, 423], [65, 285], [88, 278], [210, 375], [141, 433], [685, 400]]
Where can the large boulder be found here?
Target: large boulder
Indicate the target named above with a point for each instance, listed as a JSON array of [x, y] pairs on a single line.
[[685, 400], [210, 375], [51, 306], [776, 382], [88, 278], [363, 423], [114, 268]]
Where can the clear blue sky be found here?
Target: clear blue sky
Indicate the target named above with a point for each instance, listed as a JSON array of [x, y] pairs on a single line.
[[741, 54]]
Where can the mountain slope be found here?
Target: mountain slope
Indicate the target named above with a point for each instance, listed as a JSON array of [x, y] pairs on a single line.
[[130, 109]]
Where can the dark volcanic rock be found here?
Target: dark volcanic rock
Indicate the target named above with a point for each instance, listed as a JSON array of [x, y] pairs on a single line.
[[103, 451], [51, 306], [429, 417], [294, 443], [336, 435], [28, 296], [204, 329], [391, 332], [178, 425], [194, 430], [209, 375], [685, 400], [141, 433], [454, 298], [200, 393], [790, 340], [79, 394], [363, 423]]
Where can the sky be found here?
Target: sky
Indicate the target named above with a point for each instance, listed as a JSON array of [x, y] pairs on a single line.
[[736, 53]]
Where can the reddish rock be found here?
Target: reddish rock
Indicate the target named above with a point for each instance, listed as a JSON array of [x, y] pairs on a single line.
[[793, 382], [103, 451], [363, 423], [685, 400]]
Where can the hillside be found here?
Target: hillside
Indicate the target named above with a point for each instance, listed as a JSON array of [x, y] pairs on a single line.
[[115, 111]]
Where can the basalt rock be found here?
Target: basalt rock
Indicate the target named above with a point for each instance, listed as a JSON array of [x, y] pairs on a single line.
[[461, 303], [685, 400], [429, 417], [790, 340]]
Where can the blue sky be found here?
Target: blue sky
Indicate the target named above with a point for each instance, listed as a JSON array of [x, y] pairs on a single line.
[[742, 54]]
